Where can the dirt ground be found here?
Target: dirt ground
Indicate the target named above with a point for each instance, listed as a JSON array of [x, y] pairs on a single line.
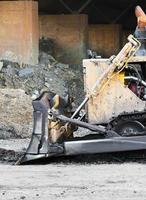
[[70, 179], [73, 182]]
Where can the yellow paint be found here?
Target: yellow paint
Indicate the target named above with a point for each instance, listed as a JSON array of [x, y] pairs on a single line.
[[56, 101], [121, 76]]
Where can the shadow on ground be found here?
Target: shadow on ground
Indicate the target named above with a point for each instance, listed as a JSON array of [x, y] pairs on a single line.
[[106, 158]]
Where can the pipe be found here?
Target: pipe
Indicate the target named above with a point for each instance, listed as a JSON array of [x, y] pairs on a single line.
[[135, 79]]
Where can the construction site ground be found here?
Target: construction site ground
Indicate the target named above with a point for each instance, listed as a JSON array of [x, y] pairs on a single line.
[[73, 181], [94, 177]]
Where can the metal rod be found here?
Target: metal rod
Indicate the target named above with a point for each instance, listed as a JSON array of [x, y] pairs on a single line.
[[80, 107], [66, 6], [135, 79], [84, 6], [91, 127]]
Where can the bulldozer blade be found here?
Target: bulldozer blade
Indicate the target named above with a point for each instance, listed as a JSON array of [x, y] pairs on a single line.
[[107, 145], [92, 146], [29, 157], [40, 146]]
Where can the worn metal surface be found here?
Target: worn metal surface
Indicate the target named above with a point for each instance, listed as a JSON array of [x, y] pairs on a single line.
[[105, 145], [114, 98], [93, 146]]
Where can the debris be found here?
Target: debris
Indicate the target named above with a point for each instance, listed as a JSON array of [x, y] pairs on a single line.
[[92, 54], [16, 114], [24, 73], [9, 55], [19, 85], [9, 155], [23, 197], [46, 45], [56, 77], [35, 94], [46, 59], [7, 132], [1, 65]]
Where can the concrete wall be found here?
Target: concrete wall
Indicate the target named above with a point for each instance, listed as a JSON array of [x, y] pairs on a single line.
[[69, 33], [105, 39], [19, 31]]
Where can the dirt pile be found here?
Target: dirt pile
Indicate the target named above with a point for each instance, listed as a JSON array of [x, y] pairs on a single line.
[[16, 114], [48, 74], [19, 83]]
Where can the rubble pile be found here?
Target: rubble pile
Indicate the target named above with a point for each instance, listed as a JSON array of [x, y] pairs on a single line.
[[16, 114], [19, 82], [47, 75]]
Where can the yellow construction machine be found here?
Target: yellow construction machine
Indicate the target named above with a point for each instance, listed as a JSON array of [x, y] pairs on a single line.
[[114, 108]]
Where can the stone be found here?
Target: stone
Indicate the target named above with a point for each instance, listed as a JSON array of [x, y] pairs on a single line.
[[27, 72]]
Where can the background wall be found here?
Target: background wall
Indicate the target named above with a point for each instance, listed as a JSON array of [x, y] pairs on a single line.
[[70, 34], [19, 31], [105, 39]]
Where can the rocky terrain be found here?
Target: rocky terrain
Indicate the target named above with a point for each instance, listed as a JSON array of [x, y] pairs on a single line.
[[15, 114], [47, 75]]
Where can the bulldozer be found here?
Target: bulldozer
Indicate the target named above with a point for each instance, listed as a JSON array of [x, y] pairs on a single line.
[[114, 109]]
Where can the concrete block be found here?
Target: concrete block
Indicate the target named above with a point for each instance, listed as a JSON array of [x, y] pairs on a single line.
[[19, 31]]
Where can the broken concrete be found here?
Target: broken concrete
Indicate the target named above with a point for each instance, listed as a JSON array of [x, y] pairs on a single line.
[[49, 74]]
